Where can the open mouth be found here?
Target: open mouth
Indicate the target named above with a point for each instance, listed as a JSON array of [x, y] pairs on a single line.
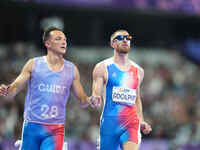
[[125, 45]]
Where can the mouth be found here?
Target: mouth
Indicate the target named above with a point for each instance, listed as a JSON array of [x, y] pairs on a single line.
[[125, 45], [63, 47]]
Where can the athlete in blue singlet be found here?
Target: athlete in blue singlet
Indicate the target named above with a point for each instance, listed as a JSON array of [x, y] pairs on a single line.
[[50, 79], [117, 80]]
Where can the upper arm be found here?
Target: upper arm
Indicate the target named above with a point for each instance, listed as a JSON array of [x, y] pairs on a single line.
[[77, 88], [23, 77], [76, 75], [141, 77], [99, 79]]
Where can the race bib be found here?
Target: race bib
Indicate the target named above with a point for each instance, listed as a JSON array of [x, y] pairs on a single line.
[[124, 95]]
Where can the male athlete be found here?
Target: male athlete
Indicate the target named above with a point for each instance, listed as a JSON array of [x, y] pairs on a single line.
[[118, 80], [50, 79]]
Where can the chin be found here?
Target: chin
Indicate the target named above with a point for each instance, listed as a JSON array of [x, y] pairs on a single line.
[[63, 52], [124, 51]]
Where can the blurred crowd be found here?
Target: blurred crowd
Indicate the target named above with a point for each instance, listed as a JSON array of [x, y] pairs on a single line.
[[185, 6], [170, 96], [191, 7]]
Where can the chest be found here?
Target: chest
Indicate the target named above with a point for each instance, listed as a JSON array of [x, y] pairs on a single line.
[[128, 78]]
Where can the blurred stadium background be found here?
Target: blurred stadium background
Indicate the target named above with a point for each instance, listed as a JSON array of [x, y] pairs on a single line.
[[166, 44]]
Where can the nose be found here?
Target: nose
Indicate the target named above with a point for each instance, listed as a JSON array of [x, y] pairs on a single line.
[[125, 40], [64, 42]]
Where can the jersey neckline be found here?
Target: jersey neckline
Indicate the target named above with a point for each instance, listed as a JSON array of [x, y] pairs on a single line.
[[61, 69]]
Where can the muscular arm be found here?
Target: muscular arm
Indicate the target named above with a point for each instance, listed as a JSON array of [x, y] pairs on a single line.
[[145, 127], [78, 91], [139, 106], [19, 83], [138, 100], [98, 80]]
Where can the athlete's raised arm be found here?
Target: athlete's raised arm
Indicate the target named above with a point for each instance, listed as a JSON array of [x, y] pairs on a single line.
[[9, 91]]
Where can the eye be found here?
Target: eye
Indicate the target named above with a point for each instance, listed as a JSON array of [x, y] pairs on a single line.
[[115, 40], [120, 37], [58, 38]]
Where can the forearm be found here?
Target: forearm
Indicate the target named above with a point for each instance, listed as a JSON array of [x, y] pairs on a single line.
[[96, 91], [84, 101], [97, 87], [12, 91], [139, 110], [80, 95], [144, 126], [20, 81]]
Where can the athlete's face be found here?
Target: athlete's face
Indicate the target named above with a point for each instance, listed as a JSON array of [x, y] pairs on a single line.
[[57, 42], [121, 42]]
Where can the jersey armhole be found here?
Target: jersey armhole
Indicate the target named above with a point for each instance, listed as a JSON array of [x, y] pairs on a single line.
[[106, 69], [33, 67]]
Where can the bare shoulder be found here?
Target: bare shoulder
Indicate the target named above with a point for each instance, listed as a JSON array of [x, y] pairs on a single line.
[[29, 65], [75, 67], [76, 72], [100, 66], [104, 63], [31, 61], [100, 69]]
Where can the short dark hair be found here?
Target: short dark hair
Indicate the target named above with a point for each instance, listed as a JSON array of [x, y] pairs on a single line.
[[47, 32], [113, 35]]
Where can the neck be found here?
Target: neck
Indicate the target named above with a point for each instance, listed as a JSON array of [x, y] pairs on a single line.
[[53, 58], [120, 58]]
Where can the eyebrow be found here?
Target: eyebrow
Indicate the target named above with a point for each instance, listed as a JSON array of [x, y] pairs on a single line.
[[61, 37]]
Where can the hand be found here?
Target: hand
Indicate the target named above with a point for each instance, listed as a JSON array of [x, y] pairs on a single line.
[[95, 101], [18, 143], [4, 90], [145, 127]]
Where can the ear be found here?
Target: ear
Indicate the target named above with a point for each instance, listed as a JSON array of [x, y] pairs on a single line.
[[112, 44], [46, 43]]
